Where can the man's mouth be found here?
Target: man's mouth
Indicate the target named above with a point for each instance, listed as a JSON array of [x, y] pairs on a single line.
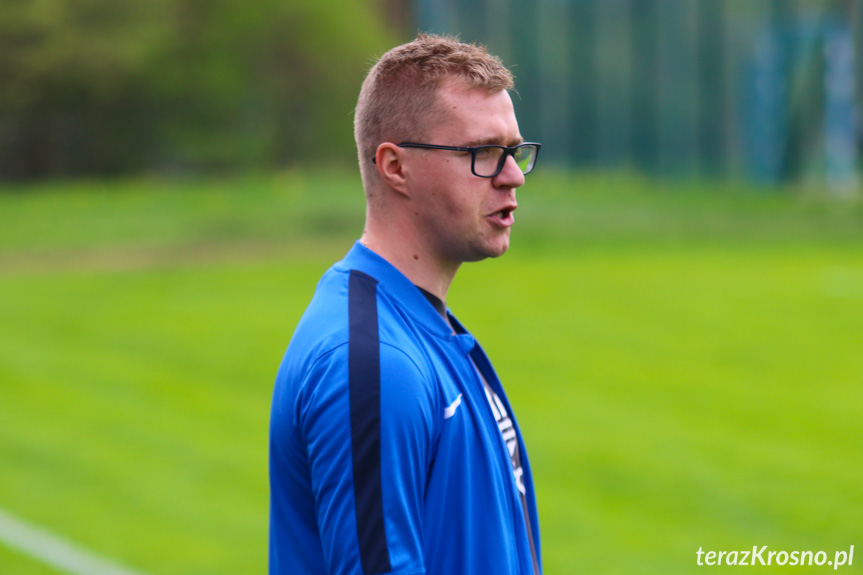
[[503, 217]]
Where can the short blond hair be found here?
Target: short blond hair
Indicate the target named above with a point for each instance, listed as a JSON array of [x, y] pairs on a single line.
[[399, 97]]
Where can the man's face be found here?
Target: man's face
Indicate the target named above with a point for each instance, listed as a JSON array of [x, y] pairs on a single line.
[[463, 217]]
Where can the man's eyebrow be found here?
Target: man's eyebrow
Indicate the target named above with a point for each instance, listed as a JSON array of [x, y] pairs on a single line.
[[492, 142]]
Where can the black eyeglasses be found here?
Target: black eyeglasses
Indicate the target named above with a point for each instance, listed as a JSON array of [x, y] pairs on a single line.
[[488, 161]]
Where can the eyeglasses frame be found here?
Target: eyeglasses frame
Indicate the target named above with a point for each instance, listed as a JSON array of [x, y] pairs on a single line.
[[473, 150]]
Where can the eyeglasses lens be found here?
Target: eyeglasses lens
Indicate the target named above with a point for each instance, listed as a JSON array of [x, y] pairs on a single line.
[[489, 161], [524, 157]]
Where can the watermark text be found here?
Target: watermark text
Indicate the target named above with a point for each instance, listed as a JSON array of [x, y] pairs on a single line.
[[763, 556]]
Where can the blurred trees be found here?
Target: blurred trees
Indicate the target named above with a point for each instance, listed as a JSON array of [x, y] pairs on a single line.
[[107, 86]]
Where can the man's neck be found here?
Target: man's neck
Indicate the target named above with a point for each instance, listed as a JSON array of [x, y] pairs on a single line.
[[417, 264]]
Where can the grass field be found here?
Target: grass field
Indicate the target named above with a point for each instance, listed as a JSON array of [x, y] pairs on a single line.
[[685, 364]]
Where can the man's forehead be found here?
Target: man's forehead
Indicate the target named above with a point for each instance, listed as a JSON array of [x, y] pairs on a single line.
[[481, 117], [457, 91]]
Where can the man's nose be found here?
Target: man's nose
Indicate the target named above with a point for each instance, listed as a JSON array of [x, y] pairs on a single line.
[[510, 175]]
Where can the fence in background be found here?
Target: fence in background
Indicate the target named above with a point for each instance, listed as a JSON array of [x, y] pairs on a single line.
[[769, 90]]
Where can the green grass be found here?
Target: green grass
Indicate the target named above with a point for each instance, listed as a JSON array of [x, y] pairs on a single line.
[[685, 363]]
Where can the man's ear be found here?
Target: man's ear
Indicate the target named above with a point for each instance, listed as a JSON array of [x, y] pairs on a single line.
[[389, 160]]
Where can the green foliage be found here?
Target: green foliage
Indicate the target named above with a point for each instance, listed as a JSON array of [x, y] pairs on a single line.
[[96, 86]]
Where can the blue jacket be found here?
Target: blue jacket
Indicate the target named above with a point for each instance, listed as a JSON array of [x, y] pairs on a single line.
[[385, 456]]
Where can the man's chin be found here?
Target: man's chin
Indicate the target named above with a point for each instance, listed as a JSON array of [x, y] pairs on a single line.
[[492, 252], [500, 252]]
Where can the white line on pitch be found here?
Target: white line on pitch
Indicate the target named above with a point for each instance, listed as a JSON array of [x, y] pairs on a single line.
[[54, 551]]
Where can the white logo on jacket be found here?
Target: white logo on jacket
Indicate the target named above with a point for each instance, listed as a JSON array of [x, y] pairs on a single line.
[[450, 409]]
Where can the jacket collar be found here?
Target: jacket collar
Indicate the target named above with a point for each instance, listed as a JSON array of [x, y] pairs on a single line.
[[395, 285]]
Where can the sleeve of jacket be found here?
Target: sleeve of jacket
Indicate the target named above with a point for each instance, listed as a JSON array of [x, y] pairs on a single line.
[[369, 447]]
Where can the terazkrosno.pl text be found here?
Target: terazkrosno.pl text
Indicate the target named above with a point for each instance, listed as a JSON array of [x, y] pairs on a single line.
[[762, 556]]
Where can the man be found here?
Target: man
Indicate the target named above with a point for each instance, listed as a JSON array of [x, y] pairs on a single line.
[[393, 448]]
